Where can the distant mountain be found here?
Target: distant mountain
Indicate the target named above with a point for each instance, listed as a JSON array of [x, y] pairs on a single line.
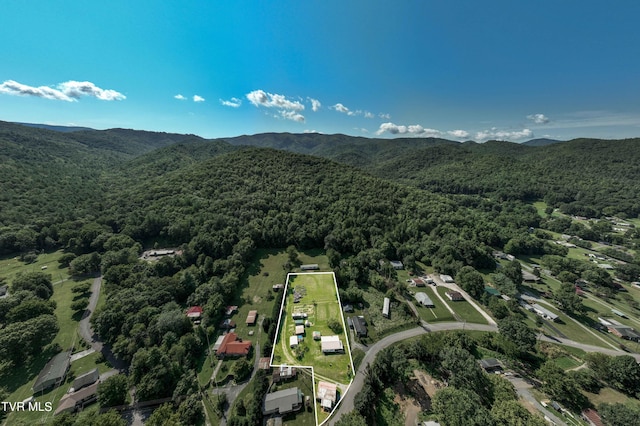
[[541, 142], [64, 129], [353, 150]]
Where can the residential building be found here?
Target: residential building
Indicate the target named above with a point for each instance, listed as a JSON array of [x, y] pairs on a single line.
[[85, 380], [72, 402], [310, 267], [232, 346], [544, 312], [446, 278], [53, 373], [283, 373], [359, 326], [490, 365], [396, 264], [331, 344], [282, 402], [424, 300], [327, 395], [455, 296]]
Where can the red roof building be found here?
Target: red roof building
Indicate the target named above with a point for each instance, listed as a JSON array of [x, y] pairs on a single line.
[[194, 312], [232, 346], [592, 417]]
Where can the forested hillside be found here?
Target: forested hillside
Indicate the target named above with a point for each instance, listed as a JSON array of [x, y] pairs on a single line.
[[49, 178], [585, 177]]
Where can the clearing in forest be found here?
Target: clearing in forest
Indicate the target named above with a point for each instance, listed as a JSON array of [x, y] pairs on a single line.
[[312, 334]]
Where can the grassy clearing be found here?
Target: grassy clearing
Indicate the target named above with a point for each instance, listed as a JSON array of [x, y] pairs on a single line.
[[312, 256], [540, 207], [566, 362], [378, 326], [438, 313], [320, 302], [212, 414], [463, 308], [609, 396], [10, 266]]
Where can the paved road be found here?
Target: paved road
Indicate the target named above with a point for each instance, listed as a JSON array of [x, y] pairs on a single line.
[[522, 388], [346, 404], [87, 333]]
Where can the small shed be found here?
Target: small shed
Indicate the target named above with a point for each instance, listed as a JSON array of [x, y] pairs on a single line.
[[396, 264], [251, 317], [310, 267], [386, 306], [299, 329], [317, 335], [491, 365], [293, 341]]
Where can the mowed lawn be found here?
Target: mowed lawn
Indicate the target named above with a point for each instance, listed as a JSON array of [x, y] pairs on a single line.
[[10, 266], [438, 313], [463, 308], [321, 304]]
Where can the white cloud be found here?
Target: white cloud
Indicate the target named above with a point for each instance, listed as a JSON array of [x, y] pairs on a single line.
[[292, 115], [315, 104], [233, 102], [76, 89], [385, 116], [413, 130], [268, 100], [197, 98], [180, 97], [367, 114], [458, 133], [311, 131], [538, 118], [69, 91], [343, 109], [494, 133]]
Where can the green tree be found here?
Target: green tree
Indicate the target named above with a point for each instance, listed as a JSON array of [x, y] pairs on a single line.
[[517, 332], [352, 418], [513, 271], [471, 281], [567, 298], [618, 414], [165, 415], [624, 374], [560, 386], [36, 282], [113, 391], [512, 413], [460, 407], [241, 369]]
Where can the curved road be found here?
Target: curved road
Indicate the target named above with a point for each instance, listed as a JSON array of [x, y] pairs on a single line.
[[346, 404]]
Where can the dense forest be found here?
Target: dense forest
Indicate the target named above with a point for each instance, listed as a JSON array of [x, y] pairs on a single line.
[[104, 196]]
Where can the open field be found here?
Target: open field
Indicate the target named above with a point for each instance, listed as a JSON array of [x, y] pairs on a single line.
[[10, 266], [435, 314], [463, 308], [320, 303]]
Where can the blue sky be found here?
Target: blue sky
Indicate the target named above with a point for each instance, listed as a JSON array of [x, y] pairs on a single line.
[[456, 69]]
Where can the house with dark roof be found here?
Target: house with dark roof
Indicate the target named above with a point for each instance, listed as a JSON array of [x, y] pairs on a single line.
[[359, 326], [490, 365], [85, 380], [53, 373], [282, 402], [455, 296], [232, 346]]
